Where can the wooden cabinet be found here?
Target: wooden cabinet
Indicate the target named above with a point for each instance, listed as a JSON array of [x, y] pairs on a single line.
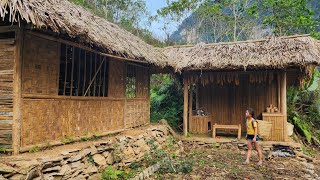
[[199, 124]]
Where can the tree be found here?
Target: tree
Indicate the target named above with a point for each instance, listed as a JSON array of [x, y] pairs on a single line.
[[287, 17], [228, 20], [166, 99]]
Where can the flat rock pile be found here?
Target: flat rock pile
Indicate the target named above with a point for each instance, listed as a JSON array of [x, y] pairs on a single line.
[[85, 162]]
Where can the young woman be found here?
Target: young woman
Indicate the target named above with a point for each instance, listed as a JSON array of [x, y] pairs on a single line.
[[252, 136]]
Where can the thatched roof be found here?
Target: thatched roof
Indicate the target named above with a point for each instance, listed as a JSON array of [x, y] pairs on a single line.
[[272, 53], [63, 16]]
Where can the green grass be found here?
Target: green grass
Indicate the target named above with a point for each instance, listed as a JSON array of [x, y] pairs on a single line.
[[35, 149], [68, 140], [3, 149]]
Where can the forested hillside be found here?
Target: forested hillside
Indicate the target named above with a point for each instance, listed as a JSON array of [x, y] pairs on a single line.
[[237, 20]]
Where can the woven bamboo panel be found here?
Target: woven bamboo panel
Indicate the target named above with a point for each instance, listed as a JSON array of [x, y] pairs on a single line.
[[7, 53], [142, 82], [227, 104], [278, 130], [46, 120], [40, 66], [199, 124], [116, 79], [137, 112]]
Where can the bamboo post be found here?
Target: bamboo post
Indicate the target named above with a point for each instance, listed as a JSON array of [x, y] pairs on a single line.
[[125, 67], [16, 133], [284, 103], [279, 91], [190, 106], [197, 96], [185, 106]]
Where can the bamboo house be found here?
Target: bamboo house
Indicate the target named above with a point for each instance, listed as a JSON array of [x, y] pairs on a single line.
[[65, 72], [225, 79]]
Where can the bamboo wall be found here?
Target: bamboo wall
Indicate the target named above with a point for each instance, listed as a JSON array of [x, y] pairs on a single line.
[[117, 79], [46, 116], [55, 119], [40, 69], [137, 112], [7, 52], [227, 104]]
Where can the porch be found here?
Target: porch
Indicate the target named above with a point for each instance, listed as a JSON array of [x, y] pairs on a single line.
[[222, 98]]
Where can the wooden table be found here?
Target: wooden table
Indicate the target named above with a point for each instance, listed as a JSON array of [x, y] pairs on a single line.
[[218, 126]]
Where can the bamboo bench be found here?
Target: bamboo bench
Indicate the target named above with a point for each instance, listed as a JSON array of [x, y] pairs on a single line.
[[218, 126]]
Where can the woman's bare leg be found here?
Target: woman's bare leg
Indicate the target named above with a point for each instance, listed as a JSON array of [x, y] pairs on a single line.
[[249, 144], [258, 149]]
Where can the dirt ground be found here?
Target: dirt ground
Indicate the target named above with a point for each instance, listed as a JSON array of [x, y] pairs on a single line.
[[215, 163]]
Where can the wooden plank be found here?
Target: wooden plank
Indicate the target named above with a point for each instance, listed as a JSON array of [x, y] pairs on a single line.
[[16, 135], [5, 127], [185, 107]]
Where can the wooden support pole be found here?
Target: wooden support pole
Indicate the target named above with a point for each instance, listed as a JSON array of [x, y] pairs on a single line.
[[16, 133], [279, 91], [185, 107], [197, 96], [190, 104], [284, 103]]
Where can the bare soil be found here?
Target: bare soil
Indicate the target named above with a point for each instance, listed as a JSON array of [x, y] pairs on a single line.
[[215, 163]]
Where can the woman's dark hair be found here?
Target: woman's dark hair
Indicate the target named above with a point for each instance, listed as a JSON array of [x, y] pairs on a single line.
[[251, 111]]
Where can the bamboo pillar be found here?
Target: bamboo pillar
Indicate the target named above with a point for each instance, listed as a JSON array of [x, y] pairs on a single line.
[[284, 103], [16, 128], [279, 91], [197, 96], [190, 105], [185, 106]]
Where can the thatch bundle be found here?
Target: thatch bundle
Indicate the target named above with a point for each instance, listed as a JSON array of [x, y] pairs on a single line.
[[221, 78], [65, 17], [225, 78], [272, 53]]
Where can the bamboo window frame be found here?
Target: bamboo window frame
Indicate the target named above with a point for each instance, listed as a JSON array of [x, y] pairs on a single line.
[[84, 72]]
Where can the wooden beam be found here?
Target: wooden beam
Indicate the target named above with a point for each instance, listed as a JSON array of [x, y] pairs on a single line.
[[185, 106], [284, 103], [16, 133], [4, 29]]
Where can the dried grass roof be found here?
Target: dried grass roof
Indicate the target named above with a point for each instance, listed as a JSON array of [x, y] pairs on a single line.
[[63, 16], [272, 53]]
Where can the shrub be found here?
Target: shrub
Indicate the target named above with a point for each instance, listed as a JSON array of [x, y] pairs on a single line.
[[109, 173]]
